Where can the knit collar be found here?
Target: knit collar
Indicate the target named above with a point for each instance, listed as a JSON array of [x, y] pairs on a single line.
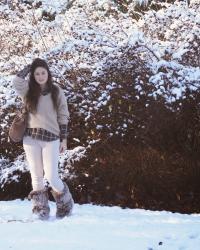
[[45, 91]]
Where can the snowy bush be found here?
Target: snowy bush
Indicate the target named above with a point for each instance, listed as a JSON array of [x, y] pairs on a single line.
[[132, 90]]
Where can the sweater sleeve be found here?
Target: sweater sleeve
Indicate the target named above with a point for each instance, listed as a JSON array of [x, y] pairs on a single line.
[[21, 86], [63, 112], [19, 83]]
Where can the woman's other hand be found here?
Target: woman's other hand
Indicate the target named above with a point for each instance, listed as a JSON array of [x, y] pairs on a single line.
[[63, 145]]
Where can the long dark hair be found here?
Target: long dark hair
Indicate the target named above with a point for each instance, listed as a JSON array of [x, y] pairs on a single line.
[[34, 91]]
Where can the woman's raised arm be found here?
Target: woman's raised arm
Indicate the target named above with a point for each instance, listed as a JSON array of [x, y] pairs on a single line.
[[19, 82]]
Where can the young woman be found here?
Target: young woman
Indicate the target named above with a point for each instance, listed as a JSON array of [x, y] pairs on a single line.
[[45, 136]]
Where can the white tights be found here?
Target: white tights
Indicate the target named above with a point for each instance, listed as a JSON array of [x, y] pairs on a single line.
[[42, 158]]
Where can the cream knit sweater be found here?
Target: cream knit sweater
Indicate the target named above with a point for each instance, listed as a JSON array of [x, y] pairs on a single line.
[[46, 116]]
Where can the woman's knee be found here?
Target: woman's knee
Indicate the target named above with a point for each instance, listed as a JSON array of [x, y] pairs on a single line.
[[55, 182]]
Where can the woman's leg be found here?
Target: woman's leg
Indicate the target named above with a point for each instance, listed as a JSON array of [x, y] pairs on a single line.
[[60, 191], [39, 195], [50, 156], [33, 153]]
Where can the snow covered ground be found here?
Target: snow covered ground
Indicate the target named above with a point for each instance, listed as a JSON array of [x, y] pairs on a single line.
[[97, 228]]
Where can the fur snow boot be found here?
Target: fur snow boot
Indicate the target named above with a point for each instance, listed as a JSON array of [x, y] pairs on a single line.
[[64, 202], [40, 203]]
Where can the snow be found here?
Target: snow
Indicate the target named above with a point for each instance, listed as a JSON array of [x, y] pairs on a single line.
[[90, 38], [92, 227], [142, 2], [9, 172]]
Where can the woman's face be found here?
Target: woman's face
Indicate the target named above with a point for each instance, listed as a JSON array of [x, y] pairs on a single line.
[[41, 76]]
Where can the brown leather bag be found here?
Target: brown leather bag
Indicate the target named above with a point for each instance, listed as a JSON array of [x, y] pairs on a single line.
[[18, 126]]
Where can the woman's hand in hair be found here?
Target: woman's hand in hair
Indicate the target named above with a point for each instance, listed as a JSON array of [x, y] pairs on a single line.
[[24, 72], [63, 145]]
